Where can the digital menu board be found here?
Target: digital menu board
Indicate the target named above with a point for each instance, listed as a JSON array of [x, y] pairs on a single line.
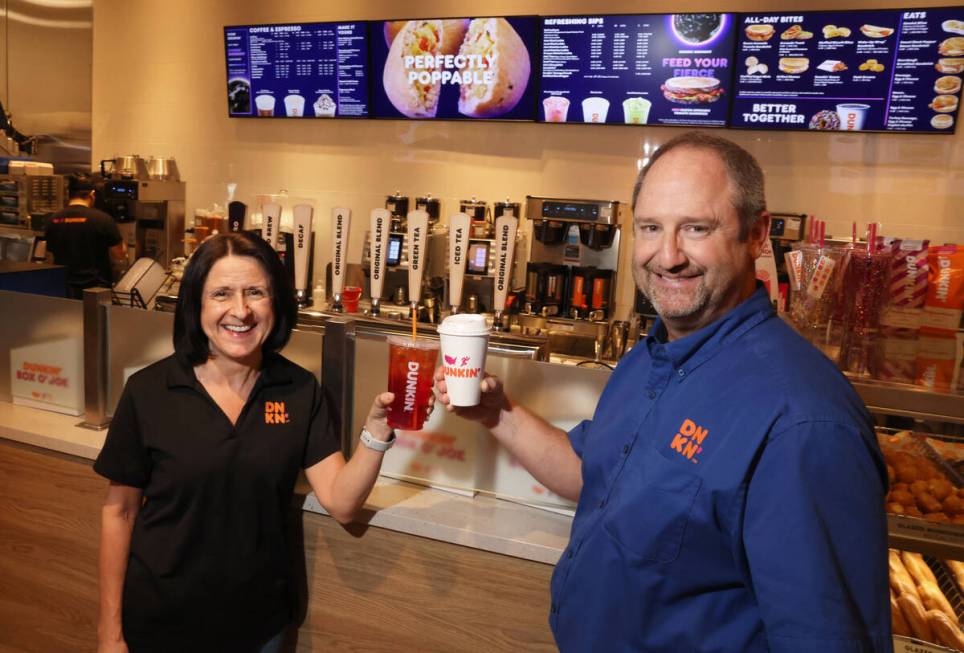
[[885, 70], [455, 68], [306, 70], [668, 69]]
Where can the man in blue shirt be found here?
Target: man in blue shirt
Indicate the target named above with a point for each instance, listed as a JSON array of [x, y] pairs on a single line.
[[730, 488]]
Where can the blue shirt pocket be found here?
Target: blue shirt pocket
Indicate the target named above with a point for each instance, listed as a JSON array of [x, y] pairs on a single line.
[[650, 506]]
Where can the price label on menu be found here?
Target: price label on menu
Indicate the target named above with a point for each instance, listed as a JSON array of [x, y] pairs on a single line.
[[313, 70], [670, 69], [890, 70]]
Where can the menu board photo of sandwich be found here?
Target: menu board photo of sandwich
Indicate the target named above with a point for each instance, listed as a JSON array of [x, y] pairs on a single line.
[[658, 69], [881, 70], [454, 68], [305, 70]]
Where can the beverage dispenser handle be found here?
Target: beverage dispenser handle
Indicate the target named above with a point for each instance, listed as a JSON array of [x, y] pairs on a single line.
[[302, 214], [270, 222], [506, 226], [381, 223], [341, 225], [417, 238], [459, 225], [236, 213]]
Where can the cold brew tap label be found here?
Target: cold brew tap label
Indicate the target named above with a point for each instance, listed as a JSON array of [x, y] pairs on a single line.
[[670, 69], [270, 220], [305, 70], [880, 70]]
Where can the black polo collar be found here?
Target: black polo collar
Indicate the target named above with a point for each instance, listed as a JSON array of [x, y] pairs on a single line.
[[273, 372]]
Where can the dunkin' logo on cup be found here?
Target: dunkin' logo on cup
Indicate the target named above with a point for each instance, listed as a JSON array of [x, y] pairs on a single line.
[[457, 367], [411, 382]]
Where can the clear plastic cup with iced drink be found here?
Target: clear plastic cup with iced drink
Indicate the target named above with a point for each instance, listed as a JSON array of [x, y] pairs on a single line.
[[556, 108], [636, 110], [465, 341], [411, 366]]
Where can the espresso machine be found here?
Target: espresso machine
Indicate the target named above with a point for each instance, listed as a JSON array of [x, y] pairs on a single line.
[[574, 254], [146, 198]]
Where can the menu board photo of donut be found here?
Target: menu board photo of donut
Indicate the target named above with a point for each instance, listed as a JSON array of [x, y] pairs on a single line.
[[454, 68], [639, 69], [298, 70], [875, 70]]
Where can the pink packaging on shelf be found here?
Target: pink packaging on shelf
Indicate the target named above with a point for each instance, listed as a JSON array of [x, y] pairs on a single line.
[[908, 285]]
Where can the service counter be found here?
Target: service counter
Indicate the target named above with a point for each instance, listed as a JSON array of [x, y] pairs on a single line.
[[423, 569]]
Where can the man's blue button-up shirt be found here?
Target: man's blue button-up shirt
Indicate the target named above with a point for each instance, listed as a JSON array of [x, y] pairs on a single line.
[[732, 500]]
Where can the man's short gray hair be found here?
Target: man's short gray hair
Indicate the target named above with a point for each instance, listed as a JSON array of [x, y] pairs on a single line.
[[746, 177]]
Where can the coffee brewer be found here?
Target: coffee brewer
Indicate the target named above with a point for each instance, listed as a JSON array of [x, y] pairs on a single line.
[[573, 258], [147, 202]]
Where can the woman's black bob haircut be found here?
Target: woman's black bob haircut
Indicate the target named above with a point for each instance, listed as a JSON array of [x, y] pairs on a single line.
[[190, 343]]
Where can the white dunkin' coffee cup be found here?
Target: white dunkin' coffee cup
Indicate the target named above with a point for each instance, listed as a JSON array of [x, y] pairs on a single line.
[[464, 341]]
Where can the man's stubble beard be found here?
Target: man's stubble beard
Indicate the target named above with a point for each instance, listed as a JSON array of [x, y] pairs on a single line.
[[673, 305]]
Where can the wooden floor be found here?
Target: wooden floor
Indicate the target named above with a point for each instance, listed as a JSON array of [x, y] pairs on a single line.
[[370, 589]]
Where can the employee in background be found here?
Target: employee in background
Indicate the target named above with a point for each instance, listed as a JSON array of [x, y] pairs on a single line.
[[730, 488], [202, 457], [84, 239]]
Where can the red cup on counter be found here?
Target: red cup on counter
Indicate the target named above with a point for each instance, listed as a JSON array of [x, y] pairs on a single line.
[[411, 366], [349, 298]]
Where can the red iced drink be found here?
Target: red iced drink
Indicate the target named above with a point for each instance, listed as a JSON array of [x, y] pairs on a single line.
[[411, 366]]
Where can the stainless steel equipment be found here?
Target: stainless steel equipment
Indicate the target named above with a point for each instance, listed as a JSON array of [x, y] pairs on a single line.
[[26, 199], [573, 257], [149, 212], [163, 169]]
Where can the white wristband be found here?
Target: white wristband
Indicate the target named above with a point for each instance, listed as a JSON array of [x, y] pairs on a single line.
[[370, 442]]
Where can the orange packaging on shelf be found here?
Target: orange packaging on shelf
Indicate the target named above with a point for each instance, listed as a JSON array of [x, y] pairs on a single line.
[[936, 360], [945, 290]]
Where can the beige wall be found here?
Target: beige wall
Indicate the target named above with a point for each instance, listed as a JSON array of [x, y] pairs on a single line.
[[158, 88]]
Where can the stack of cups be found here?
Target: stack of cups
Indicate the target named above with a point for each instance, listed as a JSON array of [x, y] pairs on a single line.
[[464, 342]]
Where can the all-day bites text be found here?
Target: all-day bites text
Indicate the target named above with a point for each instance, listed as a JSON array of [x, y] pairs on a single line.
[[304, 70], [847, 70], [636, 69], [455, 68]]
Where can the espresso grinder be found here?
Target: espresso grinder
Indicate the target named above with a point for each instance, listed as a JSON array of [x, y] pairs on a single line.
[[571, 273]]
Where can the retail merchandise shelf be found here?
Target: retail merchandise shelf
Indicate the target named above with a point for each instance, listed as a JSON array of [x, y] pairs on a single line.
[[930, 538], [911, 645], [910, 401]]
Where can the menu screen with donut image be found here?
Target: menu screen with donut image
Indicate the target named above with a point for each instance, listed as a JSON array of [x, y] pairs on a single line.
[[641, 69], [879, 70], [303, 70], [455, 68]]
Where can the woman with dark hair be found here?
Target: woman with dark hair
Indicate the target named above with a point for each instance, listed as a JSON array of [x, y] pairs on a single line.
[[202, 457]]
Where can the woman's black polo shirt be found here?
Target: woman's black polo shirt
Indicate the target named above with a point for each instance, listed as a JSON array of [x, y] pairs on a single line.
[[208, 567]]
